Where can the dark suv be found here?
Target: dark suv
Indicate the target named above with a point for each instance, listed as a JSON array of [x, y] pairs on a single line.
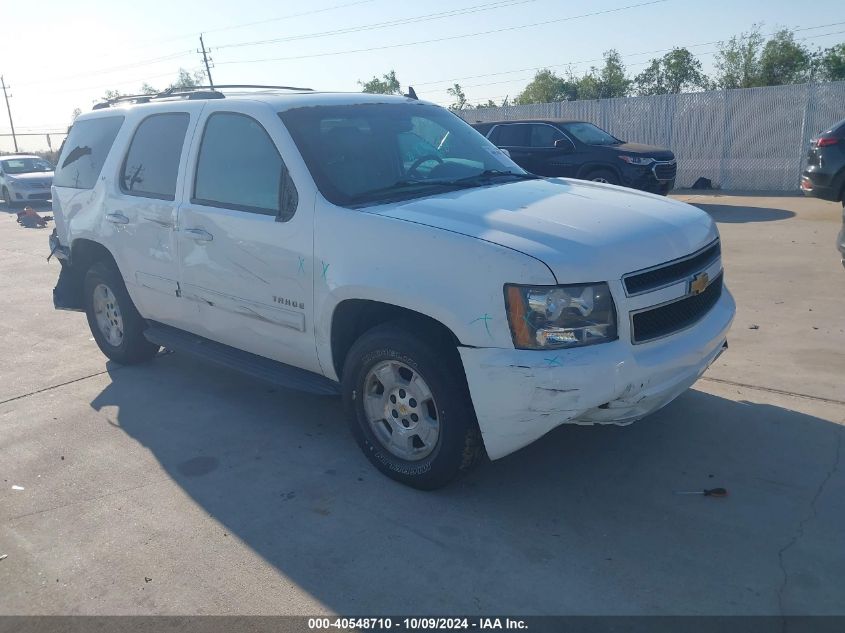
[[577, 149], [824, 175]]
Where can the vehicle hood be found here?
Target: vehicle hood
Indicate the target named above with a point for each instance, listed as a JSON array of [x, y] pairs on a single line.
[[583, 231], [35, 176], [650, 151]]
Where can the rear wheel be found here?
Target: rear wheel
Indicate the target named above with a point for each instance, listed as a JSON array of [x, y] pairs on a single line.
[[116, 325], [603, 175], [409, 408]]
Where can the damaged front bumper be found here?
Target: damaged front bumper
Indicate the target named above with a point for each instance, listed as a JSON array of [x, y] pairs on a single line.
[[520, 395]]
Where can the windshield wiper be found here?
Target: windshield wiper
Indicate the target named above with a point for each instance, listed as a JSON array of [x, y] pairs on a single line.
[[490, 174], [401, 186]]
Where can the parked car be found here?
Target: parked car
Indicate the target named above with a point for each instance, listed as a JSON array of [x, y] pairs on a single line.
[[379, 248], [24, 178], [824, 175], [577, 149]]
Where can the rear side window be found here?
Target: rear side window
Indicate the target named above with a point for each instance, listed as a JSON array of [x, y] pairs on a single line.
[[513, 135], [84, 152], [152, 162], [240, 168], [544, 136]]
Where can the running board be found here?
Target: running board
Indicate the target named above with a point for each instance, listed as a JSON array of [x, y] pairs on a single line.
[[251, 364]]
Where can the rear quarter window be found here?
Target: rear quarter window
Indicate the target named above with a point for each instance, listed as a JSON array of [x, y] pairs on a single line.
[[85, 151], [151, 165]]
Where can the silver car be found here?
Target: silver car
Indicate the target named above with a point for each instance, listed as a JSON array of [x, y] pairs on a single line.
[[25, 178]]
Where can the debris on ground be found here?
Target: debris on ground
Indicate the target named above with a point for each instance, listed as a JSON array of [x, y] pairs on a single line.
[[707, 492], [17, 488], [753, 326], [29, 218], [3, 556]]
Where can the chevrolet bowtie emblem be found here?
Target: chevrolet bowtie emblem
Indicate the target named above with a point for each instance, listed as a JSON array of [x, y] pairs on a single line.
[[699, 283]]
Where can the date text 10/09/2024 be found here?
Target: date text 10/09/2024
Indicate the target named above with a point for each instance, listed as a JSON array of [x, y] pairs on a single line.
[[414, 624]]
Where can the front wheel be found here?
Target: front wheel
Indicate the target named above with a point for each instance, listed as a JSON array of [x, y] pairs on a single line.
[[115, 323], [603, 175], [409, 408]]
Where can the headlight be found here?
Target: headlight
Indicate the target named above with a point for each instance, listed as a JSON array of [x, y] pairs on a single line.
[[551, 317], [637, 160]]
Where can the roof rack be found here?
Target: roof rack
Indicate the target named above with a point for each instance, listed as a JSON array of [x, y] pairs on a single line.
[[193, 92]]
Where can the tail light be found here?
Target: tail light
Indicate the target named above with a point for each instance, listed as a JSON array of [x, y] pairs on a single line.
[[825, 141]]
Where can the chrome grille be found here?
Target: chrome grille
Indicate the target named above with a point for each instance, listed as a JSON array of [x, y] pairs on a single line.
[[665, 171], [671, 272], [659, 321]]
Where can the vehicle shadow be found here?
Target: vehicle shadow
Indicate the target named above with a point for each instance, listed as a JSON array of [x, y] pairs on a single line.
[[584, 521], [728, 213]]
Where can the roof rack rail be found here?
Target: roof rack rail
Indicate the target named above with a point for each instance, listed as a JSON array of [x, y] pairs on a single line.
[[260, 87], [192, 92]]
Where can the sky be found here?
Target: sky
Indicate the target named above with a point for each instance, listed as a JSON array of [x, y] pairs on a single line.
[[58, 55]]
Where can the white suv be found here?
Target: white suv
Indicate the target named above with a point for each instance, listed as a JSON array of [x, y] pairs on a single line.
[[380, 248]]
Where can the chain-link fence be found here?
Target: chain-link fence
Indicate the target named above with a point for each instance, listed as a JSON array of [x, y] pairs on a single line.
[[752, 138]]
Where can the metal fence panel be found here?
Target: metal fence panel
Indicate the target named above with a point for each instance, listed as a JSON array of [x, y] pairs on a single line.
[[752, 138]]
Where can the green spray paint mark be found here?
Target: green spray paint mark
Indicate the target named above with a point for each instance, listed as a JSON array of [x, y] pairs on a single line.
[[486, 318]]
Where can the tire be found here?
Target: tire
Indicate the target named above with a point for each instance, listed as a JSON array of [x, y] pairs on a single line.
[[603, 175], [7, 198], [122, 340], [395, 349]]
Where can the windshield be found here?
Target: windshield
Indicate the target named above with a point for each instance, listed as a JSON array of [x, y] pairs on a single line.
[[589, 134], [367, 153], [25, 165]]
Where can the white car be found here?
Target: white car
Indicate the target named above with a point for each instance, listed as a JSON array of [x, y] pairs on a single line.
[[380, 248], [24, 178]]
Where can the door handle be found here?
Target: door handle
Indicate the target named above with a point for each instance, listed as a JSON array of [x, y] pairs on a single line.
[[199, 235], [117, 218]]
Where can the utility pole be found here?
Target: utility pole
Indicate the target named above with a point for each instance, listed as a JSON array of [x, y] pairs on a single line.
[[9, 110], [205, 61]]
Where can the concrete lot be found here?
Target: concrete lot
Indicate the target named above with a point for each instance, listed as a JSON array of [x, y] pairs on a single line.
[[181, 488]]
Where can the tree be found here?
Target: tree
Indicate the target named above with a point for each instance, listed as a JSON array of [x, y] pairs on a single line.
[[612, 80], [547, 87], [832, 63], [111, 94], [460, 97], [738, 60], [588, 86], [784, 61], [387, 85], [185, 80], [677, 71], [147, 89], [76, 113]]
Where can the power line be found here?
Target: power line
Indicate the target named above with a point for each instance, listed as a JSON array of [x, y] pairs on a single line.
[[590, 61], [288, 17], [525, 78], [445, 39], [100, 71], [489, 6], [186, 53]]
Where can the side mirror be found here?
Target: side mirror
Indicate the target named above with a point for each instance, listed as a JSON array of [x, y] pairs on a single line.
[[564, 144]]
